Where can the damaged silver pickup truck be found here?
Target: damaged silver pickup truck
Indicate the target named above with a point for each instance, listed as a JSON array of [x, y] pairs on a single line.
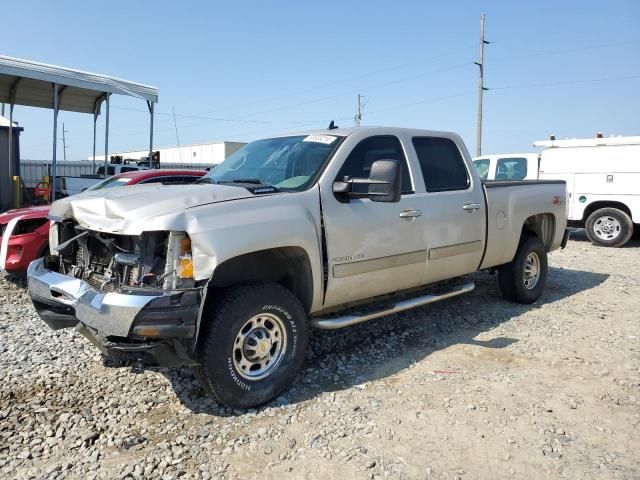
[[324, 229]]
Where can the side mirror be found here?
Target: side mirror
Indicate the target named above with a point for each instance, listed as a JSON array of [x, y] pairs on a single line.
[[384, 183]]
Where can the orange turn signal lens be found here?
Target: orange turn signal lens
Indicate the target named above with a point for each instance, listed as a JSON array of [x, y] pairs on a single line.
[[185, 268]]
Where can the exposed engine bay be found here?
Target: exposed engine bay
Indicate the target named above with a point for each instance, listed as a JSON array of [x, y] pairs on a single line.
[[110, 262]]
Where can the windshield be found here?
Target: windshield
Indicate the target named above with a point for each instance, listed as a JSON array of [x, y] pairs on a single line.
[[287, 163], [109, 183]]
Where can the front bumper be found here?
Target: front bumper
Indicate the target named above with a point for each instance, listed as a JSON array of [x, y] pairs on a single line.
[[140, 322]]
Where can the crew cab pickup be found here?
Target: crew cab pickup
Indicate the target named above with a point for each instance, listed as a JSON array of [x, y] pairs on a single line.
[[322, 229]]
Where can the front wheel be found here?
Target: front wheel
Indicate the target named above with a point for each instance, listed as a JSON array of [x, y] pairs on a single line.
[[524, 278], [254, 344], [609, 227]]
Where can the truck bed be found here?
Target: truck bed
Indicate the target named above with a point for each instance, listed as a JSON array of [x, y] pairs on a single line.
[[509, 204]]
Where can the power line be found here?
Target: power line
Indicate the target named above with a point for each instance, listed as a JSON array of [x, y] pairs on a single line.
[[339, 82], [568, 82], [210, 120], [240, 119], [568, 50], [214, 119], [421, 102], [355, 91]]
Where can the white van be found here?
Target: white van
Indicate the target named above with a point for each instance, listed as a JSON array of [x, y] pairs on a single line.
[[602, 175], [603, 184]]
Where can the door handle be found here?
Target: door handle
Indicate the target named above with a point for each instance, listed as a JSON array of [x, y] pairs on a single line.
[[410, 214], [470, 207]]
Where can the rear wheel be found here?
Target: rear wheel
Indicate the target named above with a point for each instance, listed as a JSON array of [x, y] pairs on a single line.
[[524, 278], [609, 227], [253, 346]]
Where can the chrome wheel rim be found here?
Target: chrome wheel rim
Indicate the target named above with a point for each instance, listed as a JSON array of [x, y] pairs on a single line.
[[606, 227], [531, 274], [259, 346]]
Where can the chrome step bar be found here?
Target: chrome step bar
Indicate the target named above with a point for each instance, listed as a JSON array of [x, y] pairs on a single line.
[[348, 320]]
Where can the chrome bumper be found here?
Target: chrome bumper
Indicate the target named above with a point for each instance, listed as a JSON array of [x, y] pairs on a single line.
[[111, 314], [65, 302]]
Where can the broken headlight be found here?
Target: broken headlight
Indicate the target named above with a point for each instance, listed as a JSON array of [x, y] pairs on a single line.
[[179, 262]]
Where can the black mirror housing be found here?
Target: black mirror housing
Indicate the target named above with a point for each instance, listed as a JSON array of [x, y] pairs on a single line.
[[385, 181]]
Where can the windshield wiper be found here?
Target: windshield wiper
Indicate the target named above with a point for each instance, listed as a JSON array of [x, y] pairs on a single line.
[[204, 180], [247, 183], [256, 181]]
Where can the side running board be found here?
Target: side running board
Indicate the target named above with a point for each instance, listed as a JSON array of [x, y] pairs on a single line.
[[333, 323]]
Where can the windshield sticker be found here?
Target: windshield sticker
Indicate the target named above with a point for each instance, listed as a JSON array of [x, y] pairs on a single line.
[[326, 139]]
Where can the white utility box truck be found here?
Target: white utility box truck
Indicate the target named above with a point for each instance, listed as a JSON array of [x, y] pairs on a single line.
[[602, 175], [603, 184]]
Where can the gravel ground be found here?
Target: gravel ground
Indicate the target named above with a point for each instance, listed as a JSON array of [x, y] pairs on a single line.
[[473, 387]]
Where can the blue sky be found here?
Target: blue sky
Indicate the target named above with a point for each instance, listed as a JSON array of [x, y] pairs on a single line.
[[242, 70]]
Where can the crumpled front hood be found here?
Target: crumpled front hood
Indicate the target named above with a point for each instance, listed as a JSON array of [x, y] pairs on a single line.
[[134, 209]]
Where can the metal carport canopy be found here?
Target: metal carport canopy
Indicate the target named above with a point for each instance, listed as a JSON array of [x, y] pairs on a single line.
[[80, 90], [36, 84]]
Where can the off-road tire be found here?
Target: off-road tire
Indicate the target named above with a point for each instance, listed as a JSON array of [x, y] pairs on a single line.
[[511, 277], [225, 317], [623, 219]]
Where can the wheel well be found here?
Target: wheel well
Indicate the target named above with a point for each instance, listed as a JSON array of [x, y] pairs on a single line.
[[592, 207], [542, 225], [287, 266]]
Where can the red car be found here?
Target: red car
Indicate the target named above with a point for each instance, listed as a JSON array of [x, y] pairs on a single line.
[[24, 232]]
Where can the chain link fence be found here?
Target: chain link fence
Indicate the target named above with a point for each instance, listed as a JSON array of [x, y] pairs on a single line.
[[33, 172]]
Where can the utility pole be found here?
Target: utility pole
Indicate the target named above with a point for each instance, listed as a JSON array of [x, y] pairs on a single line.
[[175, 124], [358, 116], [481, 88], [361, 104], [64, 143]]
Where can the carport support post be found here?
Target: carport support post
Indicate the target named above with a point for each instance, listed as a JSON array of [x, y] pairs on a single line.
[[11, 172], [151, 105], [95, 119], [106, 134], [56, 97]]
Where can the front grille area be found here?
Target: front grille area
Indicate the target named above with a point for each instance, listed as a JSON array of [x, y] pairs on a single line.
[[108, 262], [99, 282]]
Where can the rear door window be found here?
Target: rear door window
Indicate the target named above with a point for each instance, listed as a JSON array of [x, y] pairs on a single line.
[[441, 163], [511, 169]]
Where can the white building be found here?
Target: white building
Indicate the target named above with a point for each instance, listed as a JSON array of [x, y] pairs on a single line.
[[204, 153]]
